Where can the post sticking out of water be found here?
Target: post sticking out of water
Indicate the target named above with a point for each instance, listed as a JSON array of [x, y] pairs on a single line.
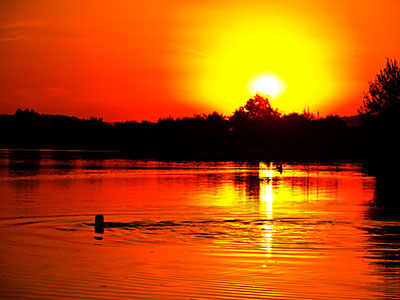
[[99, 224], [99, 221]]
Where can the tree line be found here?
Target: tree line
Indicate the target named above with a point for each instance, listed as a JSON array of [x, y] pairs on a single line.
[[254, 131]]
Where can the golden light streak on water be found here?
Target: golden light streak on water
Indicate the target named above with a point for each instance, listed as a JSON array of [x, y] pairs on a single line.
[[266, 205]]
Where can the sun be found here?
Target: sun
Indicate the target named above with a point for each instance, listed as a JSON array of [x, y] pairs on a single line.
[[267, 84], [248, 56]]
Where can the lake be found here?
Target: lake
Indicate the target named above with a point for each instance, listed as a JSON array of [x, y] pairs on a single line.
[[193, 230]]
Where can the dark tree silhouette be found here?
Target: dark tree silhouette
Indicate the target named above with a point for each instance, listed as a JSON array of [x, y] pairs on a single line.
[[382, 102], [259, 108], [380, 120], [255, 131], [256, 109]]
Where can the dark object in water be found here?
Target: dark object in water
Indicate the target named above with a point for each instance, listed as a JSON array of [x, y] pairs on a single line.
[[279, 168], [99, 224], [99, 221]]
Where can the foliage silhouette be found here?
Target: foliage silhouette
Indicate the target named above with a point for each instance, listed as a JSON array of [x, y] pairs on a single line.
[[379, 117], [382, 103], [259, 108], [255, 131]]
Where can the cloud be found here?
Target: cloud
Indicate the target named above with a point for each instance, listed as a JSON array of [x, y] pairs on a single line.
[[188, 50], [17, 30]]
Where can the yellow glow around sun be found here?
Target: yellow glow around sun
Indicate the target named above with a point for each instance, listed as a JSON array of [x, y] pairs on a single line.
[[268, 85], [247, 58], [285, 56]]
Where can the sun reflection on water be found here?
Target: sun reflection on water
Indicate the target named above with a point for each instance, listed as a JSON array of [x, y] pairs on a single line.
[[265, 175], [221, 230]]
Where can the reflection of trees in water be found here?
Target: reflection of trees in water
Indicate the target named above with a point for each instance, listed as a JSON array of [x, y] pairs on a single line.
[[252, 186], [24, 163], [24, 196], [248, 182], [257, 188], [62, 161], [301, 184], [385, 233], [35, 162], [253, 183]]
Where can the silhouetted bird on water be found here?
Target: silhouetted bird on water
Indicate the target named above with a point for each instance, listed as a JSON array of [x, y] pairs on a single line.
[[279, 168]]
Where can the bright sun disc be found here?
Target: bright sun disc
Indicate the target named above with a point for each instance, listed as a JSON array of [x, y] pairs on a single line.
[[267, 84]]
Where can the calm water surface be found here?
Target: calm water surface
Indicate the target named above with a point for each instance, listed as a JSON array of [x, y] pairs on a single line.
[[193, 230]]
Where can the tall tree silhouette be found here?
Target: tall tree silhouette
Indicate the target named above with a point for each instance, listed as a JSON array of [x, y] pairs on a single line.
[[380, 119], [382, 102]]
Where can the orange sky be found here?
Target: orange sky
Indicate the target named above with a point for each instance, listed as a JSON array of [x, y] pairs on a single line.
[[133, 60]]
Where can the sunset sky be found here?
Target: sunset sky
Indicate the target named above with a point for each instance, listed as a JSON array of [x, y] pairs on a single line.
[[134, 60]]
